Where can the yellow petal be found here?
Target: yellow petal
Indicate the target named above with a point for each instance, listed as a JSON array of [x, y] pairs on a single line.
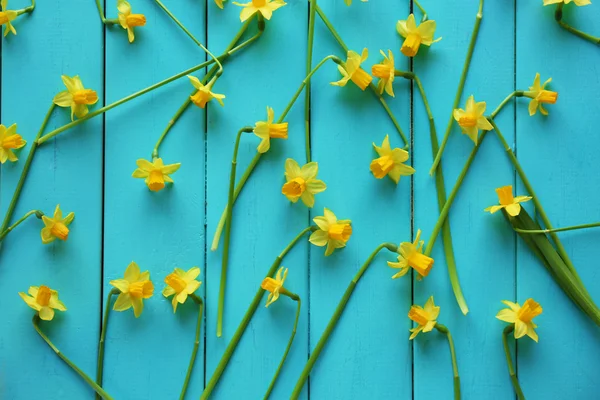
[[132, 273]]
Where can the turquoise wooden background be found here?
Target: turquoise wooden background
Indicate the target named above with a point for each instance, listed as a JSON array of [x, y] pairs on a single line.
[[88, 170]]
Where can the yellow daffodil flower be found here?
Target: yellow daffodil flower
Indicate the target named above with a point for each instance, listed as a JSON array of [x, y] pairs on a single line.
[[351, 70], [265, 7], [522, 317], [155, 173], [577, 2], [390, 162], [332, 232], [9, 141], [301, 183], [508, 202], [274, 286], [414, 36], [204, 94], [472, 119], [411, 255], [56, 227], [6, 16], [539, 96], [127, 20], [266, 130], [425, 317], [219, 3], [385, 71], [135, 286], [76, 96], [181, 284], [43, 300]]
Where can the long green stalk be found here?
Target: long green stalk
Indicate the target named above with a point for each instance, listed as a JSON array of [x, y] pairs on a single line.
[[100, 359], [19, 221], [104, 20], [511, 371], [87, 379], [188, 374], [335, 318], [461, 86], [567, 228], [237, 336], [558, 14], [309, 52], [442, 329]]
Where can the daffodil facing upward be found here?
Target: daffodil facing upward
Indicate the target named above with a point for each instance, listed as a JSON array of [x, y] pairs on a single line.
[[128, 20], [134, 287], [301, 183], [471, 120], [385, 71], [332, 232], [10, 140], [508, 202], [390, 162], [540, 96], [414, 36], [6, 17], [424, 317], [76, 96], [43, 300], [56, 227], [267, 130], [351, 70], [522, 317], [274, 285], [155, 173], [181, 284], [577, 2], [411, 256], [264, 7], [204, 93]]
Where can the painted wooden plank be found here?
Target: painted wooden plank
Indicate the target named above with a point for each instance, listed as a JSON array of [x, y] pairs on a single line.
[[267, 73], [558, 153], [363, 358], [148, 357], [484, 250], [67, 170]]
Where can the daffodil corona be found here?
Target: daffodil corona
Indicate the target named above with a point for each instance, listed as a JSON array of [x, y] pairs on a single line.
[[301, 183], [155, 173], [6, 17], [56, 227], [522, 317], [10, 140], [351, 70], [43, 300], [76, 96], [128, 20], [471, 120], [414, 36], [508, 202], [264, 7], [390, 162], [540, 96], [204, 93], [411, 256], [181, 284], [424, 317], [274, 285], [267, 130], [134, 287], [385, 71], [332, 232]]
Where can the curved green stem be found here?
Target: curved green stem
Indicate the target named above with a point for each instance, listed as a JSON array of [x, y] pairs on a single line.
[[235, 340], [23, 218], [335, 318], [173, 120], [28, 9], [567, 228], [225, 259], [188, 374], [104, 20], [87, 379], [558, 14], [516, 93], [461, 86], [513, 376], [100, 360], [309, 52], [442, 329], [19, 188], [296, 298], [424, 17]]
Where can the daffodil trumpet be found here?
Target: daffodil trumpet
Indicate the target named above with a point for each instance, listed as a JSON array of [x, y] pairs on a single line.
[[314, 355], [558, 16], [235, 340], [442, 329], [511, 370], [99, 391], [461, 86], [37, 213]]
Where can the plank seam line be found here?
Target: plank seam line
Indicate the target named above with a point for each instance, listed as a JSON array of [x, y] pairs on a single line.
[[516, 244], [412, 205], [205, 196]]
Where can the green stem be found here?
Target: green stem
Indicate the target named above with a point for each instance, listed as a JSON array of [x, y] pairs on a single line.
[[516, 93], [309, 52], [225, 259], [23, 218], [424, 18], [335, 318], [538, 206], [28, 9], [567, 228], [442, 329], [105, 21], [188, 374], [371, 85], [513, 376], [212, 383], [174, 119], [296, 298], [89, 381], [19, 188], [461, 86], [558, 17], [100, 360]]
